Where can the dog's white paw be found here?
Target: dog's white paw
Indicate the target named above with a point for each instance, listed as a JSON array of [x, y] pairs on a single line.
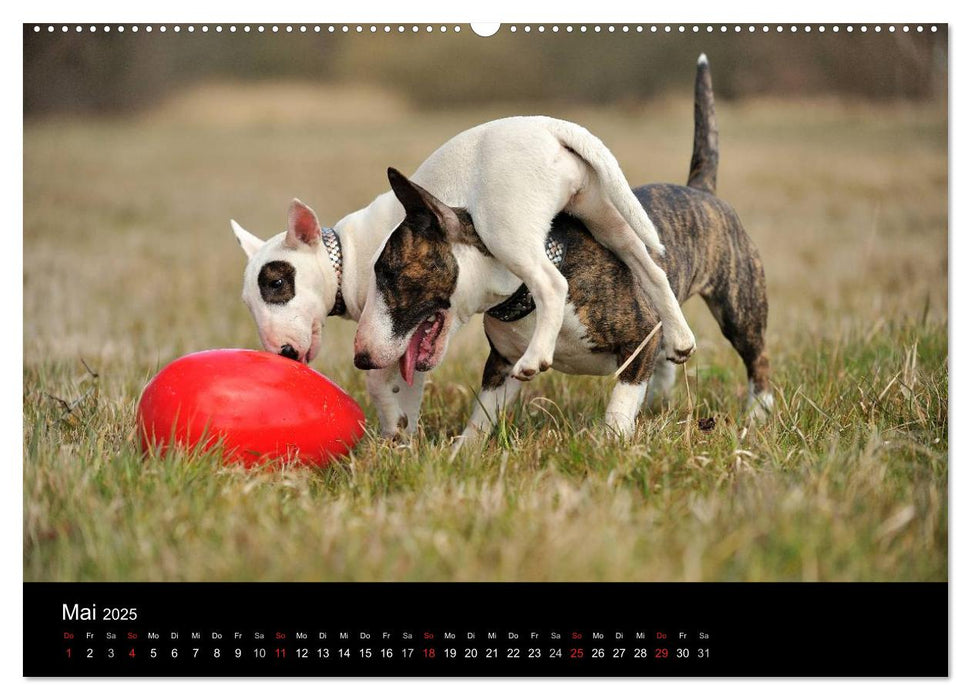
[[620, 425], [759, 406], [531, 364], [679, 345]]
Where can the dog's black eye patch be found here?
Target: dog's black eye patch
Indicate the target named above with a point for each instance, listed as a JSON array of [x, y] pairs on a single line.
[[277, 282]]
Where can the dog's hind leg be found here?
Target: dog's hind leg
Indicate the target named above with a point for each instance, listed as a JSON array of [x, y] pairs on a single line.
[[499, 389], [612, 231], [760, 402], [741, 309]]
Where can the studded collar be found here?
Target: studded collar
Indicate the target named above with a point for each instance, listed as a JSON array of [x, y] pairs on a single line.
[[332, 243]]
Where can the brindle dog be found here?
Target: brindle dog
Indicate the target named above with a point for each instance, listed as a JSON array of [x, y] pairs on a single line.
[[435, 261]]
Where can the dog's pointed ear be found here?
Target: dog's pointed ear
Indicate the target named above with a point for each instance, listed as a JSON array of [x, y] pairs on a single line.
[[418, 202], [247, 241], [303, 228]]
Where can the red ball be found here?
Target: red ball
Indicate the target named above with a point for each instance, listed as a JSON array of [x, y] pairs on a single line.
[[260, 406]]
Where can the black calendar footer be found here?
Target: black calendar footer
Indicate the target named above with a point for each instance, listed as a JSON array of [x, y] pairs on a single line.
[[485, 629]]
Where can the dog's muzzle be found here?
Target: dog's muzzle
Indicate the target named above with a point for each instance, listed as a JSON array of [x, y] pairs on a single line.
[[362, 360]]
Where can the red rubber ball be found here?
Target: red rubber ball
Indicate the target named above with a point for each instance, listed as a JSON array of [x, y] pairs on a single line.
[[260, 407]]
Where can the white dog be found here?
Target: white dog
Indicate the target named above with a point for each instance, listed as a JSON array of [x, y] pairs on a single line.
[[513, 176]]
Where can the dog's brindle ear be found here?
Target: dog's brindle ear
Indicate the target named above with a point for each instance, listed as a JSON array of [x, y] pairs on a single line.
[[247, 241], [419, 202], [302, 225]]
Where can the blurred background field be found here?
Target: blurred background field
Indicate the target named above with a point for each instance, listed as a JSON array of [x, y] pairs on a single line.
[[138, 150]]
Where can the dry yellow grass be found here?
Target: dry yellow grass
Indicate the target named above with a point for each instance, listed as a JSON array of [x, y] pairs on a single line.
[[129, 262]]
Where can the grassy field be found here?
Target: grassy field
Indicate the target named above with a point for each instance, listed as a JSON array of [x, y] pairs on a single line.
[[129, 263]]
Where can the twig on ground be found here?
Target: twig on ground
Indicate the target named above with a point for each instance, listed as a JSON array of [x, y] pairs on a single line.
[[90, 371], [69, 406]]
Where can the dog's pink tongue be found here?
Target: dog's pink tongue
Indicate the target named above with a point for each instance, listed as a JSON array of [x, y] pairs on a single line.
[[406, 365]]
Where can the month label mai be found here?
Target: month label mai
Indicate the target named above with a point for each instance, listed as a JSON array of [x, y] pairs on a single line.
[[90, 613]]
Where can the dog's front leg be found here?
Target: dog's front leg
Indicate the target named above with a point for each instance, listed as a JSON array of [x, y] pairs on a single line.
[[625, 402], [522, 250], [409, 401], [549, 289], [398, 405]]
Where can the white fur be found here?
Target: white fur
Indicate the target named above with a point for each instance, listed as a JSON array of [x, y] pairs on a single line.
[[247, 241], [625, 402], [394, 399]]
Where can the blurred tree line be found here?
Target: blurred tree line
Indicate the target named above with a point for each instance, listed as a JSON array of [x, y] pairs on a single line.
[[114, 72]]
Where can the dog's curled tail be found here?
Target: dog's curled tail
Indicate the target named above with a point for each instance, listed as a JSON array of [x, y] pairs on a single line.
[[704, 154], [592, 150]]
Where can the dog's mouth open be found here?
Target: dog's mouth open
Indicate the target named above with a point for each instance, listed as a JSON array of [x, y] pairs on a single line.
[[423, 348]]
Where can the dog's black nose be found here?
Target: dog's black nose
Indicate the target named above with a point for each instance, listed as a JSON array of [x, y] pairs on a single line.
[[362, 360], [288, 352]]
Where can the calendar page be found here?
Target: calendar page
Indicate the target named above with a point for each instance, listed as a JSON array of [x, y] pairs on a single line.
[[524, 349]]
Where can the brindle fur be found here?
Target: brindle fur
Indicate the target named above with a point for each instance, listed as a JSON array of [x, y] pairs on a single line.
[[616, 322], [466, 234], [497, 368], [416, 275], [703, 172], [710, 254], [277, 282]]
